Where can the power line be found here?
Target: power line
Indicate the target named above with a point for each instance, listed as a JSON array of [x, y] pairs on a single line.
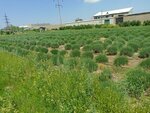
[[59, 6]]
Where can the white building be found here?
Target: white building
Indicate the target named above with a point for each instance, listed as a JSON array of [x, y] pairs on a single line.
[[109, 17]]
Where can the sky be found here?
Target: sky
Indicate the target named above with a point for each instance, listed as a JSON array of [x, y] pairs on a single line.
[[23, 12]]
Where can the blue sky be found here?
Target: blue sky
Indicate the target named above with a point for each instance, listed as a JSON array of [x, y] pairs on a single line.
[[22, 12]]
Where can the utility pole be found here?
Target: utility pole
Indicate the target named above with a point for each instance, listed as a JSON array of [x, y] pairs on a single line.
[[101, 17], [6, 21], [59, 6]]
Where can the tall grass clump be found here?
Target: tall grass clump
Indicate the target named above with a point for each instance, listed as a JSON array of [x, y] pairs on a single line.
[[145, 52], [89, 64], [55, 51], [145, 64], [41, 49], [134, 46], [75, 53], [120, 61], [87, 54], [72, 63], [127, 51], [102, 58], [42, 57], [137, 82], [67, 46], [112, 50], [75, 47], [54, 90], [87, 48], [106, 75], [57, 60], [97, 48]]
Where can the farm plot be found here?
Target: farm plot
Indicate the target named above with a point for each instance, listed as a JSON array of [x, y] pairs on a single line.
[[94, 47], [94, 70]]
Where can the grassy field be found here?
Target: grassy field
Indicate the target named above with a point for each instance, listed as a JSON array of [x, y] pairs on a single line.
[[76, 71]]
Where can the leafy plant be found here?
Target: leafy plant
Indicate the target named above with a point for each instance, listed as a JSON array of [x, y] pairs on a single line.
[[67, 46], [57, 60], [112, 50], [121, 60], [102, 58], [97, 48], [75, 53], [145, 52], [137, 82], [55, 51], [72, 63], [134, 46], [42, 57], [105, 75], [41, 49], [87, 48], [75, 46], [87, 54], [145, 64], [63, 52], [89, 64], [128, 51], [54, 45]]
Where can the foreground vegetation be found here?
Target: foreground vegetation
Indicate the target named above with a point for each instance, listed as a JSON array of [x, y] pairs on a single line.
[[87, 71]]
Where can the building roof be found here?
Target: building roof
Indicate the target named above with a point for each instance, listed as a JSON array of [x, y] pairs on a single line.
[[143, 13], [118, 11]]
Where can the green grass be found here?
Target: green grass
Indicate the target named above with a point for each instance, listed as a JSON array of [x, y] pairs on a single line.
[[24, 88], [137, 82], [68, 79]]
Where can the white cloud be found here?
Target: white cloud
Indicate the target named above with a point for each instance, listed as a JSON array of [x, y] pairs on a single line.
[[92, 1]]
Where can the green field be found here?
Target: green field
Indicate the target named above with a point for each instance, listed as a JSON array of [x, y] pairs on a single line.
[[76, 71]]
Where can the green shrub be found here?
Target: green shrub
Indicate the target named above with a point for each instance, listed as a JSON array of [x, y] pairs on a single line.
[[87, 48], [27, 47], [97, 48], [101, 58], [146, 44], [87, 54], [75, 53], [21, 52], [134, 46], [55, 51], [112, 50], [75, 46], [41, 49], [57, 60], [72, 63], [121, 60], [137, 82], [89, 64], [67, 46], [88, 41], [42, 57], [145, 52], [105, 75], [63, 52], [130, 23], [146, 23], [107, 43], [127, 51], [118, 45], [54, 45], [145, 64]]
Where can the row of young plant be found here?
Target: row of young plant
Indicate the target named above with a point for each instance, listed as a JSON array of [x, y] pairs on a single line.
[[112, 45]]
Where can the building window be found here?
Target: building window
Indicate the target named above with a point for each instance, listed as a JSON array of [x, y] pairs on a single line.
[[107, 21]]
